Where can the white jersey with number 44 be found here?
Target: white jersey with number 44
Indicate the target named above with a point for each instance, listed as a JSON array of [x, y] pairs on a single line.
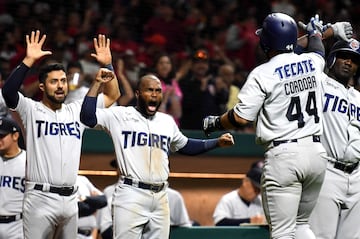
[[284, 96]]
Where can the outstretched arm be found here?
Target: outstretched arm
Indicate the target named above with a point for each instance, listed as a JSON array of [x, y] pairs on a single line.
[[34, 52], [103, 56], [88, 108], [198, 146], [229, 120]]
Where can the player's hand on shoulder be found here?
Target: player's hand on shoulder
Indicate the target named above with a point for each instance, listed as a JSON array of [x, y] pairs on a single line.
[[104, 75], [102, 50], [226, 140]]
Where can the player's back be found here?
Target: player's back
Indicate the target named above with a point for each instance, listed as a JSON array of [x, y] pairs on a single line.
[[284, 96]]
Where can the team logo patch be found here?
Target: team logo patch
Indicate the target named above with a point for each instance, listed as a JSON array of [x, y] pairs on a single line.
[[354, 44]]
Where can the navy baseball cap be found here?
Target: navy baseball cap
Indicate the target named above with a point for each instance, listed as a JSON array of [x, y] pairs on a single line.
[[254, 174], [8, 125]]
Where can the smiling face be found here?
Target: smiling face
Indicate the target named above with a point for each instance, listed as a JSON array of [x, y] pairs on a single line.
[[55, 89], [149, 95]]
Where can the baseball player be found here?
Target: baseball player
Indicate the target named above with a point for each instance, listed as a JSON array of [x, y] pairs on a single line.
[[242, 205], [12, 180], [338, 205], [143, 139], [179, 216], [92, 199], [53, 136], [282, 96]]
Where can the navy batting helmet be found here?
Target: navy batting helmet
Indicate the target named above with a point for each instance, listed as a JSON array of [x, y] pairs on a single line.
[[279, 32], [352, 47]]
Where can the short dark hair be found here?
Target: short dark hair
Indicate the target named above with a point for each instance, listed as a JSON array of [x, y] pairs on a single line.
[[44, 70], [74, 64]]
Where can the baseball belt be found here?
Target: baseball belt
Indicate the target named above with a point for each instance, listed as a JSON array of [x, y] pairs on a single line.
[[8, 219], [315, 138], [85, 232], [345, 167], [62, 191], [152, 187]]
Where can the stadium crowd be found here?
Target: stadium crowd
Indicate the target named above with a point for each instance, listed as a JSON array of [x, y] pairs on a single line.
[[198, 36]]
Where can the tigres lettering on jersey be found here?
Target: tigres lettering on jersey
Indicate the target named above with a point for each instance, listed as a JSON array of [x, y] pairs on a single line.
[[133, 138], [341, 105], [14, 182], [57, 128]]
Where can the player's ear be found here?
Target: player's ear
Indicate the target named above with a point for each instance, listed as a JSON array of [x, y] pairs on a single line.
[[41, 87], [15, 136]]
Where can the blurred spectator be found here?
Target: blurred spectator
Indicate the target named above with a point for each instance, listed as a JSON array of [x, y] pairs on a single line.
[[284, 6], [153, 45], [200, 96], [133, 69], [163, 68], [225, 79], [127, 93], [242, 205], [241, 42], [164, 23], [78, 84]]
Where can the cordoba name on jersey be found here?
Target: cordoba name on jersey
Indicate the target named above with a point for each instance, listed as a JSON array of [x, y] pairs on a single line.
[[132, 138], [301, 69], [56, 128], [17, 183], [335, 103]]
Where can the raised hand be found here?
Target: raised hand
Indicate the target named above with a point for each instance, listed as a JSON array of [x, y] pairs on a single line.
[[342, 31], [104, 75], [314, 25], [34, 44], [102, 49]]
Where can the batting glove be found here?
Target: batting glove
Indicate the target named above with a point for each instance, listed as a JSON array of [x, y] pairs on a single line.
[[314, 26], [342, 31], [211, 124]]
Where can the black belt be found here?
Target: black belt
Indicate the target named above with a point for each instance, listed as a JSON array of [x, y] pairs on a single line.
[[8, 219], [85, 232], [316, 138], [345, 167], [62, 191], [153, 187]]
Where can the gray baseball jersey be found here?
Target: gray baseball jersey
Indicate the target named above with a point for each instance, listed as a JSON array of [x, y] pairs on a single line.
[[283, 97], [339, 199], [142, 146], [231, 206], [12, 188], [54, 145]]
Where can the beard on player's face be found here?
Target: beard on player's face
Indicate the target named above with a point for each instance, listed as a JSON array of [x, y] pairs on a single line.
[[148, 107], [53, 98]]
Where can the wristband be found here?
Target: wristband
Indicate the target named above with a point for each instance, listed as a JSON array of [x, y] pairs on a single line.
[[109, 67]]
